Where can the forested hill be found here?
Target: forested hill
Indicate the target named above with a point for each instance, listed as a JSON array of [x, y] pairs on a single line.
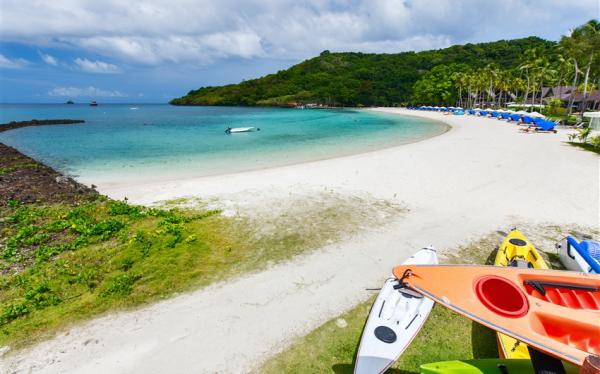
[[356, 79]]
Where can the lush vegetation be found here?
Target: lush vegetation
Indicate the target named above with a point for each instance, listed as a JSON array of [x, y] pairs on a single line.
[[467, 75], [576, 56], [61, 263], [582, 139], [356, 79]]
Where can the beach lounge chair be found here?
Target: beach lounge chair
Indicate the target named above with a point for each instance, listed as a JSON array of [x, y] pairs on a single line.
[[515, 117], [483, 113], [471, 112], [505, 115], [544, 126], [527, 120], [494, 114]]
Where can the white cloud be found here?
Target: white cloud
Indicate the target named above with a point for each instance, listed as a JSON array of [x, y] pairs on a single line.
[[96, 66], [200, 31], [50, 60], [16, 63], [89, 91]]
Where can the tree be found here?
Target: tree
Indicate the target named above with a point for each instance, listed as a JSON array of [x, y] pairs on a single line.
[[583, 46], [438, 86]]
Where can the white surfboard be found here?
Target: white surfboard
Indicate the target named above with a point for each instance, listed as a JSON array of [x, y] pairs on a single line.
[[396, 317]]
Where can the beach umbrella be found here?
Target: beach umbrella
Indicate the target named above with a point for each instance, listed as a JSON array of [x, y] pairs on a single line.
[[536, 115]]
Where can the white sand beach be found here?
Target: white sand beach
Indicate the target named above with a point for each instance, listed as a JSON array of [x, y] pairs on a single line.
[[480, 176]]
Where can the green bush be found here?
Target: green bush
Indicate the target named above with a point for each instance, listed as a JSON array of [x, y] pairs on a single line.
[[122, 208], [595, 141]]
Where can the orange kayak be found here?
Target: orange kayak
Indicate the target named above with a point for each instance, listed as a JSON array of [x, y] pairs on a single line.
[[557, 312]]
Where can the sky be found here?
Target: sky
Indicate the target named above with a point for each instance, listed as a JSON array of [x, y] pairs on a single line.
[[152, 51]]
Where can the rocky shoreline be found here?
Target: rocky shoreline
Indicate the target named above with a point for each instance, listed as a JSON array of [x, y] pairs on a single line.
[[29, 181], [38, 122]]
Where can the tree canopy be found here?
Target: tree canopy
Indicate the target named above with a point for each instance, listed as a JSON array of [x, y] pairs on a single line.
[[574, 61], [357, 79]]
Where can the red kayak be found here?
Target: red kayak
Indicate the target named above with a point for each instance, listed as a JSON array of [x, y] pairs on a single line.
[[557, 312]]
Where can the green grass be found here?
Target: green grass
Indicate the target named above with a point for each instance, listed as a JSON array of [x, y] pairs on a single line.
[[61, 264], [586, 146], [332, 349]]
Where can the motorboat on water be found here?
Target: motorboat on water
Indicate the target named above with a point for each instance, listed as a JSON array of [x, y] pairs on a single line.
[[235, 130], [93, 103]]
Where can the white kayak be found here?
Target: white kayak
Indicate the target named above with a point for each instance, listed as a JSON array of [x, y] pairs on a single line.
[[396, 317], [583, 256], [238, 129]]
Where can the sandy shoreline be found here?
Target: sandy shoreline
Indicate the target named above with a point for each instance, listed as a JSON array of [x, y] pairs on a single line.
[[483, 175]]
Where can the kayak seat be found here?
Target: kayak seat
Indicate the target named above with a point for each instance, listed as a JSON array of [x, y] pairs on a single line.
[[410, 293], [521, 264], [385, 334]]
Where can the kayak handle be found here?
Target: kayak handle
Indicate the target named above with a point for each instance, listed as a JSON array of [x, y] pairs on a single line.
[[540, 286], [569, 251]]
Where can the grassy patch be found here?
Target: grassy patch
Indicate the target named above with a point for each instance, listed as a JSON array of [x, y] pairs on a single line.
[[586, 146], [64, 263]]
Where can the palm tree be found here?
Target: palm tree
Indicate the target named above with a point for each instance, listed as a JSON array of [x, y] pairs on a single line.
[[583, 46], [529, 59]]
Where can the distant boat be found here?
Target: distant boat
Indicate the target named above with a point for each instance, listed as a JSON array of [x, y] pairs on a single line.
[[70, 102], [93, 103], [234, 130], [134, 108]]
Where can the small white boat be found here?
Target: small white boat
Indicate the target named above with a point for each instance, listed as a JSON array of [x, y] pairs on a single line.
[[134, 108], [583, 256], [234, 130], [396, 317]]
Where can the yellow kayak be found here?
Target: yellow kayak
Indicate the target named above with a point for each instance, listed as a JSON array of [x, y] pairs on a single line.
[[516, 250]]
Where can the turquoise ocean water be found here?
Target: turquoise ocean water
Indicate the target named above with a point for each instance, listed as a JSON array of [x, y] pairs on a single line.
[[122, 143]]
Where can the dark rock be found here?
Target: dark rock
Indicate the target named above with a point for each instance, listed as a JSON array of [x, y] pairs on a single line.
[[26, 180], [38, 122]]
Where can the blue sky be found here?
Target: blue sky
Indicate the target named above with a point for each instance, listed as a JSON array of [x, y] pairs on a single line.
[[151, 51]]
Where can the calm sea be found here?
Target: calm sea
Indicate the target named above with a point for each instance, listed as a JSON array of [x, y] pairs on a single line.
[[119, 143]]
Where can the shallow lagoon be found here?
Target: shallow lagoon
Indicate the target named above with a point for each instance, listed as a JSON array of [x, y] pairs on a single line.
[[136, 142]]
